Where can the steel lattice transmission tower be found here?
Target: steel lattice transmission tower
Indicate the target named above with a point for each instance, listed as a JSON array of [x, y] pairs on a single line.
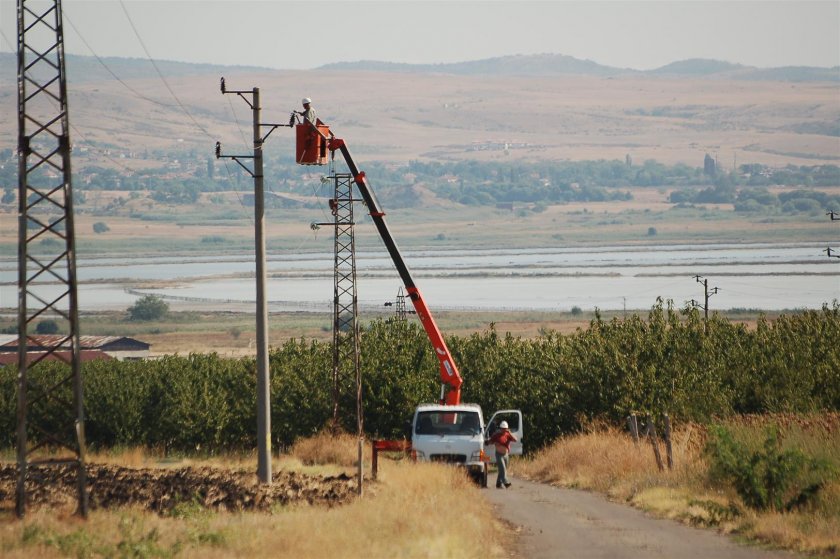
[[50, 405], [346, 372], [400, 310]]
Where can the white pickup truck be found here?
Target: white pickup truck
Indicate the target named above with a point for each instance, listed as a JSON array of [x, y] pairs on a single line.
[[455, 434]]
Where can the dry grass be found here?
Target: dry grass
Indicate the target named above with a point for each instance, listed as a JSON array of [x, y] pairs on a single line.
[[325, 448], [398, 517], [606, 460]]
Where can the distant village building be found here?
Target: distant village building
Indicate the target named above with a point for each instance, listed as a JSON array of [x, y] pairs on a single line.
[[120, 348], [11, 357]]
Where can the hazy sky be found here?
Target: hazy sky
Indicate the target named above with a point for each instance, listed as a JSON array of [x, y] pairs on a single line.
[[279, 34]]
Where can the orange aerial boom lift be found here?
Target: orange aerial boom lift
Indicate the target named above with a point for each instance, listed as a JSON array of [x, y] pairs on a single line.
[[313, 142]]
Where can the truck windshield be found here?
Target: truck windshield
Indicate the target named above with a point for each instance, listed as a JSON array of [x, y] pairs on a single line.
[[447, 423]]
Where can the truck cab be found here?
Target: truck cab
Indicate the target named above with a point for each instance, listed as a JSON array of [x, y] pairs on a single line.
[[455, 434]]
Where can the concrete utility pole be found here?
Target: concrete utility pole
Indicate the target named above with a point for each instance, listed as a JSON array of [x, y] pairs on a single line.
[[707, 293], [252, 97], [834, 217], [50, 412]]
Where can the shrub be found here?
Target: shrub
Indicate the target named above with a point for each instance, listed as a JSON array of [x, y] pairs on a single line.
[[101, 227], [767, 478], [47, 327], [148, 307]]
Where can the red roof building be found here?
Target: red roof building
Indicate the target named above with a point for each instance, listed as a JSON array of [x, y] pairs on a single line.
[[120, 348], [11, 358]]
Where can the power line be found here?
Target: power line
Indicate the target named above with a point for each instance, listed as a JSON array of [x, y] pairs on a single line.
[[8, 42], [108, 69], [162, 78], [236, 120], [160, 74], [76, 132], [178, 102]]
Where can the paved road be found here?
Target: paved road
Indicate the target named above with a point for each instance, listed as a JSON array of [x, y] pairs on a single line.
[[565, 523]]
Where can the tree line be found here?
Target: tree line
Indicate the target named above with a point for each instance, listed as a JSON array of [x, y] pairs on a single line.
[[670, 361], [188, 175]]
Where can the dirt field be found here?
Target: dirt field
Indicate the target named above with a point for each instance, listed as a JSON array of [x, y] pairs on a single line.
[[160, 490]]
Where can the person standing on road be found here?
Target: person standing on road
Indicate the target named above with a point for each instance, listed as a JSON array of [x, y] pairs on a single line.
[[502, 439]]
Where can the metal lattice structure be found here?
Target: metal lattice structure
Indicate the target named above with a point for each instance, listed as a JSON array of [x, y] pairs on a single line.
[[400, 312], [346, 381], [50, 420]]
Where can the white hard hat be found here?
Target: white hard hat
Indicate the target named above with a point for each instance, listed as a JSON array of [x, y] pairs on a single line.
[[503, 425], [306, 101]]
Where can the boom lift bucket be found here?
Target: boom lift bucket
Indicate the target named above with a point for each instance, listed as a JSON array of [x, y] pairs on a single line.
[[311, 147]]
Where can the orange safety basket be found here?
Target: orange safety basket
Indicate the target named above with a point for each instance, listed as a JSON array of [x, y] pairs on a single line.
[[311, 148]]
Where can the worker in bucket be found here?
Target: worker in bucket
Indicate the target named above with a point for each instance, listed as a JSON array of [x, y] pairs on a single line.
[[501, 440], [308, 112], [310, 117]]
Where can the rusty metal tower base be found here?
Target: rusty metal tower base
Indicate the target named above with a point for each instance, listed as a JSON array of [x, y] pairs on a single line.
[[346, 372], [50, 420], [347, 375]]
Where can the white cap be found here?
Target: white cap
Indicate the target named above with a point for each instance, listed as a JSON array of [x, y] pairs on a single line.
[[503, 425], [306, 101]]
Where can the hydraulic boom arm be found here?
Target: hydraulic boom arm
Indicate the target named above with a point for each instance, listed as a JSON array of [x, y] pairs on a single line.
[[451, 379]]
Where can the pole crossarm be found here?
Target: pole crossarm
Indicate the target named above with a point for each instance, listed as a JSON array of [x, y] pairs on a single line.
[[272, 128]]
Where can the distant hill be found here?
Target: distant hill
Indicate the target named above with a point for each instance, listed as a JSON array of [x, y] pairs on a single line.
[[514, 65], [697, 67], [124, 116], [794, 74], [82, 69], [558, 64]]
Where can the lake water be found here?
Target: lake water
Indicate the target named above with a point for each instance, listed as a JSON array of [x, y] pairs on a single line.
[[763, 276]]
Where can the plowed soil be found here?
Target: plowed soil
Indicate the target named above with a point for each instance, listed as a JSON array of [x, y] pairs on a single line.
[[160, 490]]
